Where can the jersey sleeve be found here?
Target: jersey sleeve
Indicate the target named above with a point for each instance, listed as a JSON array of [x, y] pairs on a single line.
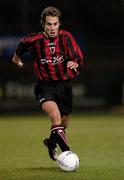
[[74, 52]]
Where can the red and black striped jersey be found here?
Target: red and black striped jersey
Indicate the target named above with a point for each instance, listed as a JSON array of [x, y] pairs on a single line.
[[51, 55]]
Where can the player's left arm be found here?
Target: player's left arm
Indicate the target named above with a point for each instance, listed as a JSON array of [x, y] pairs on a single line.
[[75, 54]]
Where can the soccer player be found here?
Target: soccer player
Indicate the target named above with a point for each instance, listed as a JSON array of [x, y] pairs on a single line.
[[57, 59]]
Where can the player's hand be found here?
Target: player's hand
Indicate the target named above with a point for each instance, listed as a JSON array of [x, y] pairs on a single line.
[[20, 64], [17, 61], [72, 65]]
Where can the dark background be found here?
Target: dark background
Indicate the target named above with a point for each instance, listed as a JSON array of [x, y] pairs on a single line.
[[98, 26]]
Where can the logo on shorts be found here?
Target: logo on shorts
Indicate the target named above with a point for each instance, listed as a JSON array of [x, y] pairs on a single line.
[[41, 100]]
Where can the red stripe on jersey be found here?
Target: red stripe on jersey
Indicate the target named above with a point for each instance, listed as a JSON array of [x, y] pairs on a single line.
[[81, 56], [58, 52], [36, 69]]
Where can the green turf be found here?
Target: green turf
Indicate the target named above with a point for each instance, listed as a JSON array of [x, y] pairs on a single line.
[[97, 139]]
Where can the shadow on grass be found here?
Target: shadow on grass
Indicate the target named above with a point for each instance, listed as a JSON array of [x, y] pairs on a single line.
[[41, 169]]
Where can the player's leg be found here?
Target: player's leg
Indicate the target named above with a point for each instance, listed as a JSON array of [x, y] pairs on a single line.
[[43, 92], [65, 104], [57, 135], [43, 96], [52, 111], [57, 129], [51, 108]]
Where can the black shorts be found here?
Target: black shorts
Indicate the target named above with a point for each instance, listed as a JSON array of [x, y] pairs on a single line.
[[57, 91]]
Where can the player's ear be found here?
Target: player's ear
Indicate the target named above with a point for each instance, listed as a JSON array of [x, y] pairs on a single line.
[[41, 21], [59, 23]]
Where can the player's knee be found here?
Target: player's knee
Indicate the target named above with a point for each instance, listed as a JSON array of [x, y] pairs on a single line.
[[65, 125]]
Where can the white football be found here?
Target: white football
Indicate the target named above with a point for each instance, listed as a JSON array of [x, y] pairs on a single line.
[[68, 161]]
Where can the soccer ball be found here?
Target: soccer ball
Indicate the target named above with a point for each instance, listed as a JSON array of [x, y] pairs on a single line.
[[68, 161]]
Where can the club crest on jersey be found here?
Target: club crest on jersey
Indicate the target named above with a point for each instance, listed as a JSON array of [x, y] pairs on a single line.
[[52, 49]]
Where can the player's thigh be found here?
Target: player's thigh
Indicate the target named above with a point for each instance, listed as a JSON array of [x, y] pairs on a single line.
[[44, 92]]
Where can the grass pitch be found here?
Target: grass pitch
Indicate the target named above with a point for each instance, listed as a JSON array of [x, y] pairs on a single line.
[[98, 140]]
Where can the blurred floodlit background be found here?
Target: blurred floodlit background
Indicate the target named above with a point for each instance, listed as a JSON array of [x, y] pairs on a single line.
[[98, 26]]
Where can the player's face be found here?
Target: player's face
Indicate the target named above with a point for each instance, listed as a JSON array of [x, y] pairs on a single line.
[[51, 26]]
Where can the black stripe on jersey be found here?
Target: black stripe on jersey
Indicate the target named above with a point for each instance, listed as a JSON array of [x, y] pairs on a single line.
[[61, 45], [62, 50]]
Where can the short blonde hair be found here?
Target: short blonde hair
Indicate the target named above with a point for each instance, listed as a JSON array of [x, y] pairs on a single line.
[[50, 11]]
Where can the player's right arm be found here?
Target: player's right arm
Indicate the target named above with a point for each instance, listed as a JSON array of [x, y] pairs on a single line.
[[25, 45], [21, 49]]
